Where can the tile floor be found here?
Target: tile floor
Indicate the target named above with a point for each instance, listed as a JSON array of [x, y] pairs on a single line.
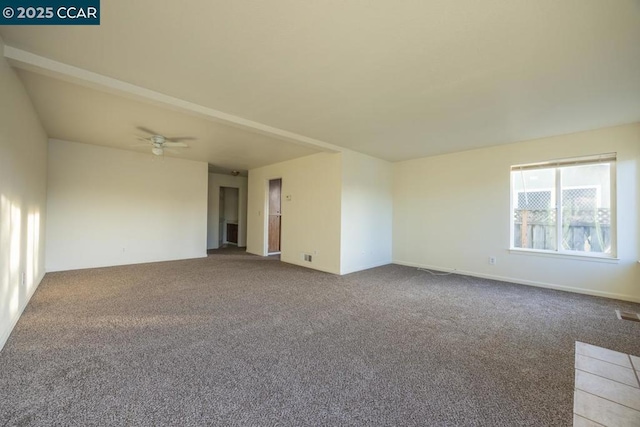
[[607, 390]]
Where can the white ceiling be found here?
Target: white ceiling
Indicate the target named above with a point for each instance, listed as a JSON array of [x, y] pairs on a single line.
[[76, 113], [396, 80]]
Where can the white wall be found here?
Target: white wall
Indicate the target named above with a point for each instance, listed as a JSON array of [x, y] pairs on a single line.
[[366, 212], [310, 220], [340, 211], [230, 204], [229, 197], [452, 212], [112, 207], [23, 175], [215, 182]]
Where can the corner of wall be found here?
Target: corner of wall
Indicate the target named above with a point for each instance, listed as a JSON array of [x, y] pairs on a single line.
[[366, 192], [314, 182], [433, 226], [176, 194], [23, 193]]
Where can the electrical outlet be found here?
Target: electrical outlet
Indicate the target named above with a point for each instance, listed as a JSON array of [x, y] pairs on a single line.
[[23, 278], [492, 260], [307, 257]]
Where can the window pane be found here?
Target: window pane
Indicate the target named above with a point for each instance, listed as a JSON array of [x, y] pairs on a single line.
[[586, 208], [534, 212]]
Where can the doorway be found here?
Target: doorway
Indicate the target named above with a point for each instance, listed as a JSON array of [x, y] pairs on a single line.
[[275, 215], [228, 216]]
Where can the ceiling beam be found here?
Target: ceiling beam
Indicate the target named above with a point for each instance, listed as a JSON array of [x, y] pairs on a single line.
[[25, 60]]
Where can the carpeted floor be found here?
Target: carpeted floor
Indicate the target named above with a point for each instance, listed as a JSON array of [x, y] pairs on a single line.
[[235, 339]]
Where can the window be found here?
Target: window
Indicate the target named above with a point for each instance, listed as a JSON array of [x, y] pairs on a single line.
[[565, 206]]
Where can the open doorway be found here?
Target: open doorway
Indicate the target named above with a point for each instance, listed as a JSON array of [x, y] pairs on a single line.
[[229, 210], [226, 211], [275, 216]]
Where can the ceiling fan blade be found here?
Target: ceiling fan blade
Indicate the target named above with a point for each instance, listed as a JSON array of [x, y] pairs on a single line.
[[176, 144], [138, 145], [147, 130], [169, 150], [180, 138]]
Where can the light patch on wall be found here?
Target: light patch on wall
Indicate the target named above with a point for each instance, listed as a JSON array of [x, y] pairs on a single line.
[[5, 242], [14, 263], [33, 243], [29, 259], [17, 279]]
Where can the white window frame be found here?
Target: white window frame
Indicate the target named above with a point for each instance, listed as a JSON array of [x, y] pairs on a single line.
[[609, 158]]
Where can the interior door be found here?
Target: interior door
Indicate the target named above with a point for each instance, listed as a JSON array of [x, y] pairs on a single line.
[[275, 216]]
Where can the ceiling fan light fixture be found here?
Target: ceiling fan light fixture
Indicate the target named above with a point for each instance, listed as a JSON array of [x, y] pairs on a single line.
[[160, 142]]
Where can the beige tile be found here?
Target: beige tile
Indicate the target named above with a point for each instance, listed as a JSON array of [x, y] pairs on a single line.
[[636, 362], [608, 389], [579, 421], [603, 354], [607, 370], [604, 411]]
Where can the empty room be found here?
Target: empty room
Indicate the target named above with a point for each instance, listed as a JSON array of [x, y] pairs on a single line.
[[417, 213]]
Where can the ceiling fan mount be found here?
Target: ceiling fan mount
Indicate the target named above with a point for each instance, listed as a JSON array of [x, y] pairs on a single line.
[[159, 143], [157, 139]]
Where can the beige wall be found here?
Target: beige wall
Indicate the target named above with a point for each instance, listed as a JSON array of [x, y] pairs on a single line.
[[340, 211], [112, 207], [23, 175], [310, 220], [215, 182], [231, 200], [452, 212], [367, 206]]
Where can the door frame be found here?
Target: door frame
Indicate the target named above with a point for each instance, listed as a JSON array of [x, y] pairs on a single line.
[[242, 191], [265, 249]]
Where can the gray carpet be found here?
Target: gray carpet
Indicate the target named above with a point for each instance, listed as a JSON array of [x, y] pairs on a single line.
[[235, 339]]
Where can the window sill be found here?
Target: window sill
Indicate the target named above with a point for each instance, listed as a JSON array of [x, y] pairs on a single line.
[[593, 258]]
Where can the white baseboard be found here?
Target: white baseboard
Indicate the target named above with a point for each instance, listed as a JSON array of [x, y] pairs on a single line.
[[5, 334], [365, 267], [596, 293], [56, 269]]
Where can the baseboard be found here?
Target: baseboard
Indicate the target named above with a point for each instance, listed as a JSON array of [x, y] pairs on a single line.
[[50, 269], [310, 266], [365, 267], [6, 334], [592, 292]]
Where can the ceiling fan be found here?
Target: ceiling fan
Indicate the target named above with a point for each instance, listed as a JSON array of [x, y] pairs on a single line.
[[160, 143]]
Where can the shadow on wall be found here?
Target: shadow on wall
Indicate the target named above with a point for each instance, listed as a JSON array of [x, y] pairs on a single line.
[[17, 281]]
